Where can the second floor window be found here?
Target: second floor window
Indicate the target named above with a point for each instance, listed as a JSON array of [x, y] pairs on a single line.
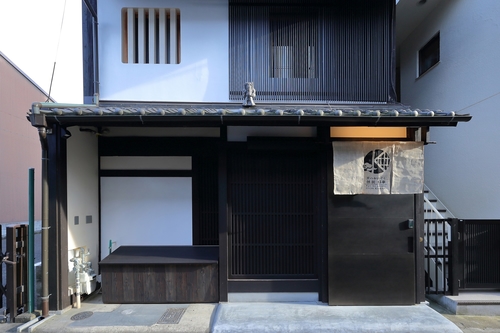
[[428, 55], [293, 38], [320, 50]]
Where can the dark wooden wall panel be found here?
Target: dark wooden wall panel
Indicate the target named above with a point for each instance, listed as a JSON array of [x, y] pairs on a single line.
[[206, 225], [169, 283], [371, 250]]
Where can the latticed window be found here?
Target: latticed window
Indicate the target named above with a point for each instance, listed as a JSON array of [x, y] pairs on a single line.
[[319, 50], [293, 38], [151, 35]]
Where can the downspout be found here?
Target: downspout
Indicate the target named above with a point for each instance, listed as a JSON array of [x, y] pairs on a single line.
[[37, 119]]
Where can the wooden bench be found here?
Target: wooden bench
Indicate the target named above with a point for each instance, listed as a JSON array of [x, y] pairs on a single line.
[[161, 274]]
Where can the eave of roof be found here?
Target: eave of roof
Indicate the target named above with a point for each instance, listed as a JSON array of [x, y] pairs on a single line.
[[158, 114]]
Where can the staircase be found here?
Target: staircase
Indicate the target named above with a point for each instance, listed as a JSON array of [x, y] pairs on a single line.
[[433, 207], [437, 235]]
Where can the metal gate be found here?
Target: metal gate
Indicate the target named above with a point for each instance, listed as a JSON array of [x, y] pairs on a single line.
[[461, 254], [441, 255], [14, 274]]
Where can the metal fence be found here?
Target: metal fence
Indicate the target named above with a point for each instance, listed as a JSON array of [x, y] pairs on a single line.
[[461, 255], [14, 277], [441, 256]]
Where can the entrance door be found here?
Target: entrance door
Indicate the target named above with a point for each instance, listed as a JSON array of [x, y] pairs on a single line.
[[273, 221], [370, 250]]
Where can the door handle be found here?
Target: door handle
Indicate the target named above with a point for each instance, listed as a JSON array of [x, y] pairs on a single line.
[[411, 245]]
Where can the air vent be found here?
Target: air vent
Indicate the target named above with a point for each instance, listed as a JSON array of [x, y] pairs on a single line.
[[151, 35]]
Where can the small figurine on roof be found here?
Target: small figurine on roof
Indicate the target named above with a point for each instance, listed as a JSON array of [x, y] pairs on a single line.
[[249, 94]]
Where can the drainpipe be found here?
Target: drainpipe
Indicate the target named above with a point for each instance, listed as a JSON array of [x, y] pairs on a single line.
[[37, 119]]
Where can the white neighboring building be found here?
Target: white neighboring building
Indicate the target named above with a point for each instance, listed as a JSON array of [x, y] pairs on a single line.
[[462, 168]]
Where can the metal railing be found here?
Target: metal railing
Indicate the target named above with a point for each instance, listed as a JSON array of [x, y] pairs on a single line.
[[434, 208], [441, 256]]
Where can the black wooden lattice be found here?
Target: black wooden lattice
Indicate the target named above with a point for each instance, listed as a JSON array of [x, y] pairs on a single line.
[[273, 214]]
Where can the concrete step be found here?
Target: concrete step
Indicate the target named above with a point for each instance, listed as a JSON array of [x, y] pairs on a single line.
[[472, 303]]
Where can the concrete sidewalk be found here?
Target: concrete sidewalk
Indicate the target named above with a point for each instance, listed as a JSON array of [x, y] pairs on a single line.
[[469, 323], [472, 303], [316, 318], [94, 317]]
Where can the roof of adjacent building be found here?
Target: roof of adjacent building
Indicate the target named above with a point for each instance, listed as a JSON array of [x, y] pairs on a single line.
[[235, 114]]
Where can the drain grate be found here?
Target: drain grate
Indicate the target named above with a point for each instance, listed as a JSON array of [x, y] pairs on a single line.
[[82, 315], [172, 316]]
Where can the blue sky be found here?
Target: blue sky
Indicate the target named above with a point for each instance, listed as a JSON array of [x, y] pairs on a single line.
[[34, 35]]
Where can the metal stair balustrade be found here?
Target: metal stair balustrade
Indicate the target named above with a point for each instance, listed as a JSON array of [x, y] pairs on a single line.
[[433, 207]]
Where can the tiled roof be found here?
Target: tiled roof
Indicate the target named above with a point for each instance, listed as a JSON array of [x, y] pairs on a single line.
[[372, 114]]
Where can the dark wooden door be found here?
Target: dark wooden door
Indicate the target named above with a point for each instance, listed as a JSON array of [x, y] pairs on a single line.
[[371, 260], [273, 217]]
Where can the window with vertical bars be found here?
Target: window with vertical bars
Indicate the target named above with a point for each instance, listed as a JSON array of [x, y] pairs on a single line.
[[316, 50], [151, 35], [293, 36]]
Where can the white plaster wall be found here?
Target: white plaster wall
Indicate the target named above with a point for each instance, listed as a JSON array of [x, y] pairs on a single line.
[[83, 195], [202, 75], [462, 168], [145, 211]]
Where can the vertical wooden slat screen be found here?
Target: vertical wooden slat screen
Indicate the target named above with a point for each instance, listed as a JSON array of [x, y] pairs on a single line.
[[313, 51], [273, 214], [131, 42], [151, 35], [481, 253]]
